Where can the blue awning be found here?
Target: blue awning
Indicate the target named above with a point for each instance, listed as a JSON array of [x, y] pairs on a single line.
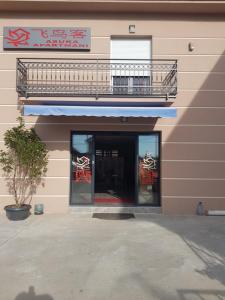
[[99, 111]]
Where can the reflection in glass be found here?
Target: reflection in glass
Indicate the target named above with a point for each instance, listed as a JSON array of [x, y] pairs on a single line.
[[81, 186], [148, 169]]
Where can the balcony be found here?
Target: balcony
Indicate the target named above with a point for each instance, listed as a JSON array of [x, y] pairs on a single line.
[[99, 78]]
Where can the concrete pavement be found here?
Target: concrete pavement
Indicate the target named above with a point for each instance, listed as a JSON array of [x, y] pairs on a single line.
[[64, 257]]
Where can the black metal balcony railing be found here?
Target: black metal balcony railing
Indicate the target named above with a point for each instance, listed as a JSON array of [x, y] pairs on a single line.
[[98, 78]]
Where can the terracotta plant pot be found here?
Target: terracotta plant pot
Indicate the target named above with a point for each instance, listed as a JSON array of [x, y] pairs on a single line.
[[17, 213]]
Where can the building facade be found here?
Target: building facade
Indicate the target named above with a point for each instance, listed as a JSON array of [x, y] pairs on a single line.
[[129, 97]]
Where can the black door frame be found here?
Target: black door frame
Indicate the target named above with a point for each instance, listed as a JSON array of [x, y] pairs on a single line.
[[116, 133]]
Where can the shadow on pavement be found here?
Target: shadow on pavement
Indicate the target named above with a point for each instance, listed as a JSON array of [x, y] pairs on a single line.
[[204, 237], [201, 294], [31, 295]]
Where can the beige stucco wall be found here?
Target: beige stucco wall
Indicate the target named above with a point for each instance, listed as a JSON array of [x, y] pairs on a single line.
[[193, 144]]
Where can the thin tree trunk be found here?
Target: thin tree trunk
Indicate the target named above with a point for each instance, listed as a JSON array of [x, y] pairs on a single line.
[[15, 188], [24, 184]]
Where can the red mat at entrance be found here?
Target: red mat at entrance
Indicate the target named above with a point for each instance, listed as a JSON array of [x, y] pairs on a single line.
[[112, 200]]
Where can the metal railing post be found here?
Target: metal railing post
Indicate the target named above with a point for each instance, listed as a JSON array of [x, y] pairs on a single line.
[[96, 91], [17, 76]]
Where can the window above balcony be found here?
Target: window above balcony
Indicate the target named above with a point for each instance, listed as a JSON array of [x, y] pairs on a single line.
[[96, 78]]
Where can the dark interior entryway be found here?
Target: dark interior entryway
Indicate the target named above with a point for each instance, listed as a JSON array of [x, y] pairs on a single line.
[[114, 169]]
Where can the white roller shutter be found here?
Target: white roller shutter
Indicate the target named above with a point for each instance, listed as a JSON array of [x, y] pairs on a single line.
[[130, 48]]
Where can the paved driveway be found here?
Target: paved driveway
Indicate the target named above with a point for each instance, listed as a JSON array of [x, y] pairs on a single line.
[[64, 257]]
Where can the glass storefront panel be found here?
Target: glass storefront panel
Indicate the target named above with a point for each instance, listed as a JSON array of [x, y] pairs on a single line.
[[81, 168], [126, 169], [148, 169]]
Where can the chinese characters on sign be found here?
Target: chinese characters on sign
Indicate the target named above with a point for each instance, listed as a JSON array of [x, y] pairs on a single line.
[[47, 38]]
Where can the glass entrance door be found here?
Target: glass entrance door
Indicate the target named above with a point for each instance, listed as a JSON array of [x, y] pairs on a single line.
[[115, 169], [82, 168], [148, 170]]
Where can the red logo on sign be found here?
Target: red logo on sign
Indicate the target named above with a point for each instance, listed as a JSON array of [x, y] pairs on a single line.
[[18, 37]]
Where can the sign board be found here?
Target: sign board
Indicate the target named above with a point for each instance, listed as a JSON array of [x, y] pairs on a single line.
[[48, 38]]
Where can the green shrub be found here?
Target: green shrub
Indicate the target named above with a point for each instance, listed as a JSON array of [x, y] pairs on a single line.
[[24, 161]]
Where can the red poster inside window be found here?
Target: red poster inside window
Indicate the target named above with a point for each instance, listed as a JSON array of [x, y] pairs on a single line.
[[82, 170], [148, 177], [147, 170]]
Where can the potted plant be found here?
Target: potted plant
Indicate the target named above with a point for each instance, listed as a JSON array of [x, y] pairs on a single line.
[[24, 162]]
